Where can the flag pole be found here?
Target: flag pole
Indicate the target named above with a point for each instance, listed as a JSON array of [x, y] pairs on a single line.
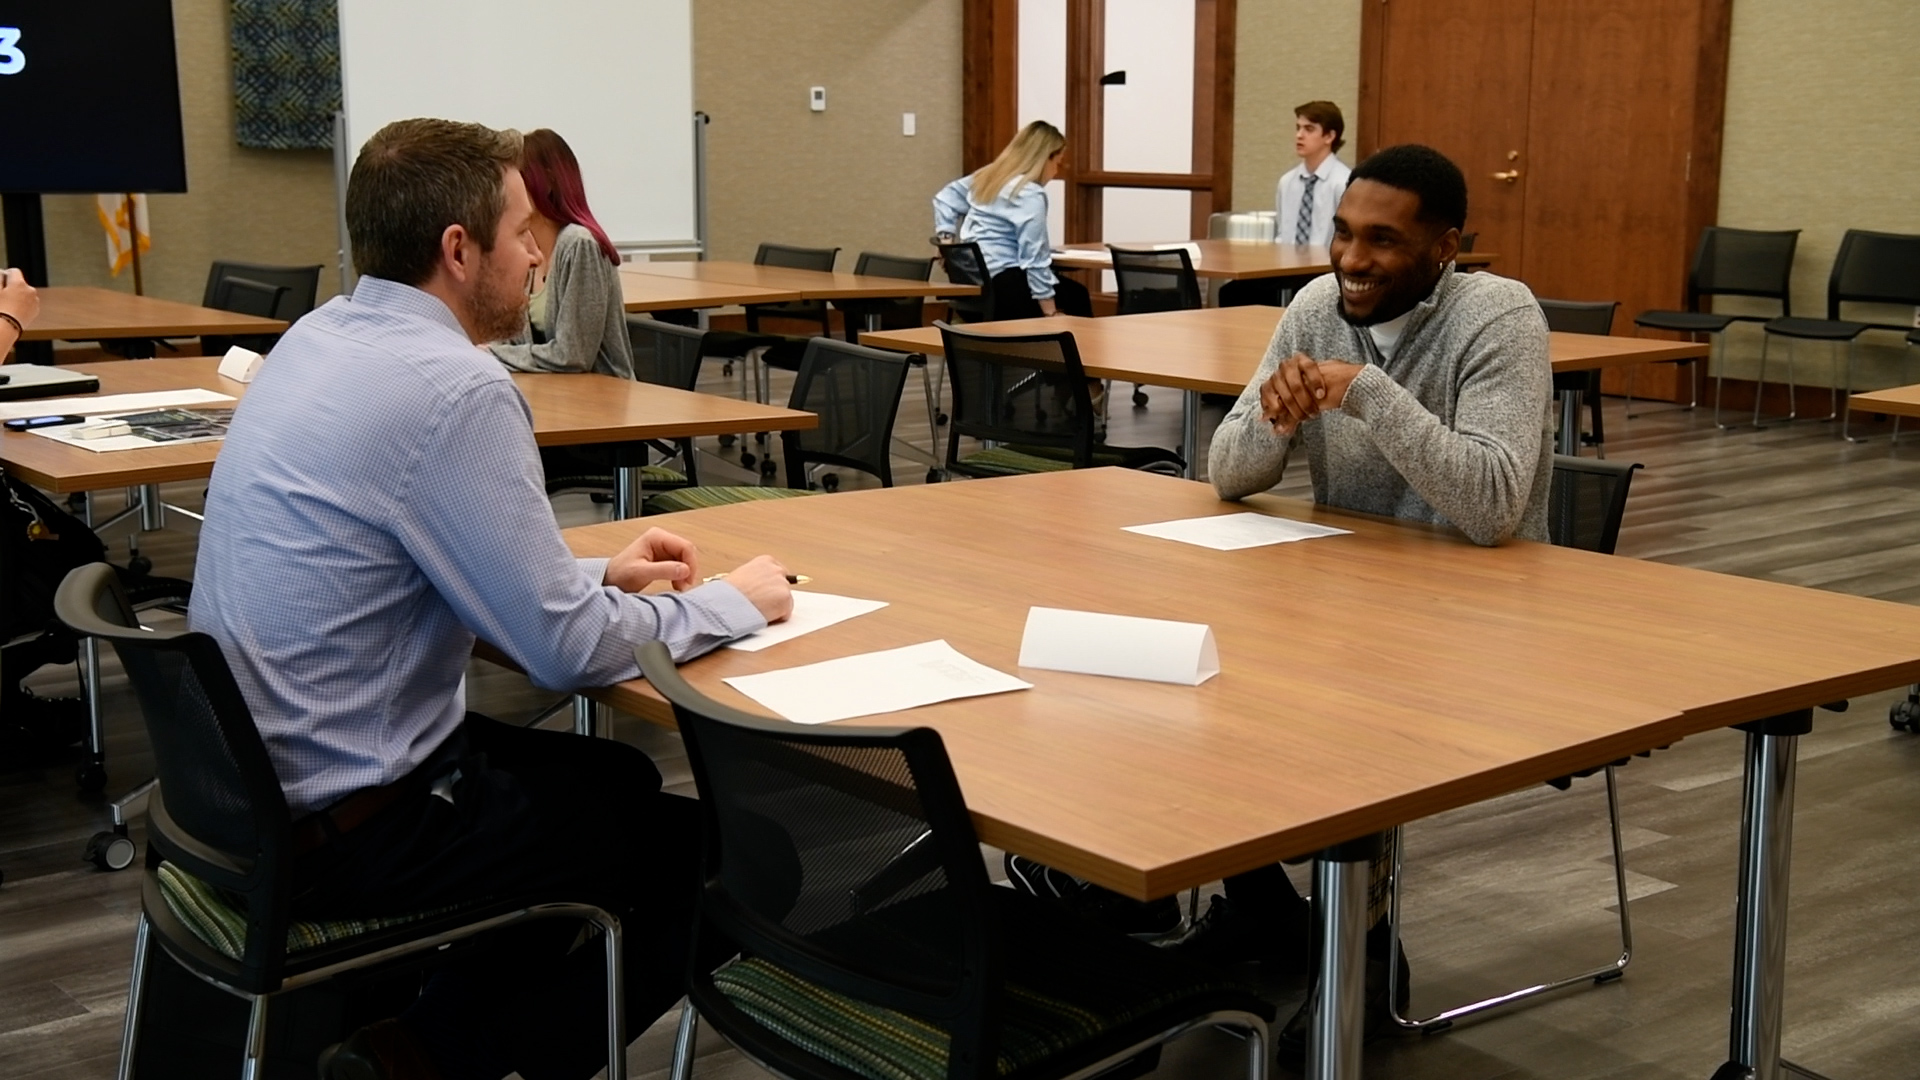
[[133, 230]]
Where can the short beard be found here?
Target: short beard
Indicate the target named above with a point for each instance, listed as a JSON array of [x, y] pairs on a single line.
[[1382, 312], [495, 315]]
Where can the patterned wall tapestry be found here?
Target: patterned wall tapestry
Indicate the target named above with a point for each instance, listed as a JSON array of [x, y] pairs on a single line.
[[286, 73]]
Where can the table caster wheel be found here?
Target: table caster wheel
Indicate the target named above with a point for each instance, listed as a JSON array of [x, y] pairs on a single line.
[[728, 440], [109, 851], [747, 459], [830, 482], [769, 468], [940, 419], [1905, 716], [91, 776], [140, 566], [1140, 399], [934, 476]]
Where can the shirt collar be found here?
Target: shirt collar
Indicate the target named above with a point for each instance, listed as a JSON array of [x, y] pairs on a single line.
[[383, 295]]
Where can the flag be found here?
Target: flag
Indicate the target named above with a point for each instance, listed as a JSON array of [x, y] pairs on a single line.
[[112, 211]]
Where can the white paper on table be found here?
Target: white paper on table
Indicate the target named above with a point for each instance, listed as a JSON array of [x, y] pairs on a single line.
[[64, 434], [1231, 532], [811, 611], [875, 682], [1123, 646], [112, 403], [1085, 255]]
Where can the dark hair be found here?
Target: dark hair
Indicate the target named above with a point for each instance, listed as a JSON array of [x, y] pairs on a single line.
[[553, 181], [1428, 174], [412, 180], [1327, 115]]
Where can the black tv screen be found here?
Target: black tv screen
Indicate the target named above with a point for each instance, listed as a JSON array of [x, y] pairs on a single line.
[[90, 96]]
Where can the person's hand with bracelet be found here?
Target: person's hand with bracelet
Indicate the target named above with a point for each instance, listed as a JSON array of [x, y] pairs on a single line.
[[19, 303]]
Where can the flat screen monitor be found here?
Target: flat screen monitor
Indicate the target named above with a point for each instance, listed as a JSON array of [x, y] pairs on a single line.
[[90, 93]]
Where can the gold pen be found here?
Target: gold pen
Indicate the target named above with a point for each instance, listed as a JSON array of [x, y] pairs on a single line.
[[792, 579]]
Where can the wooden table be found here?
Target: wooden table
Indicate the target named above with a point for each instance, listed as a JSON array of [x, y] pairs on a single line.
[[653, 292], [1366, 680], [806, 284], [567, 410], [1235, 260], [1217, 350], [84, 313], [1894, 401]]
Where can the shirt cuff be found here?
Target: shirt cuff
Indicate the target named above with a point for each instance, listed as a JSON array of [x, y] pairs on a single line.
[[730, 607], [595, 570], [1369, 392]]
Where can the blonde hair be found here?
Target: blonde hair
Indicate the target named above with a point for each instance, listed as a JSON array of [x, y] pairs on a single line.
[[1024, 157]]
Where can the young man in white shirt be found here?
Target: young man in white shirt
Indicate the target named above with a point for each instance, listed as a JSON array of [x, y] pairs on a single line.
[[1304, 199]]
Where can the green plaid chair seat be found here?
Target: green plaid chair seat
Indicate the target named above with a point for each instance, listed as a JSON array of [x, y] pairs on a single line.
[[1012, 460], [215, 920], [651, 476], [694, 498], [1062, 990]]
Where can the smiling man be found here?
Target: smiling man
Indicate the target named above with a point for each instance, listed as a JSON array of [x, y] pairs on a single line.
[[1417, 393]]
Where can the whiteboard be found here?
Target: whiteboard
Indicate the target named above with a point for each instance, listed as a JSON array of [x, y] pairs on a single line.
[[613, 77]]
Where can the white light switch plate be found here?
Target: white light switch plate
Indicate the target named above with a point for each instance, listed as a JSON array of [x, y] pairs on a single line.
[[817, 99], [907, 125]]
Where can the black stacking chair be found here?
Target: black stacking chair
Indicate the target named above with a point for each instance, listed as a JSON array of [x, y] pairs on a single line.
[[1583, 317], [1153, 280], [897, 314], [781, 351], [218, 890], [294, 291], [1586, 502], [1728, 262], [1026, 397], [855, 391], [844, 864], [797, 258], [966, 265], [1870, 268]]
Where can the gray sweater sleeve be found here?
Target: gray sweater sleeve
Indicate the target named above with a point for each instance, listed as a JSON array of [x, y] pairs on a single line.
[[579, 288], [1247, 456], [1478, 472]]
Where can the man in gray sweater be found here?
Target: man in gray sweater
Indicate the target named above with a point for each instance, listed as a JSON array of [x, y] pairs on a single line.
[[1417, 393]]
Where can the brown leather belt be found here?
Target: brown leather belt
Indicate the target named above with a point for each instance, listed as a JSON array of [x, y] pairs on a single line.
[[312, 832]]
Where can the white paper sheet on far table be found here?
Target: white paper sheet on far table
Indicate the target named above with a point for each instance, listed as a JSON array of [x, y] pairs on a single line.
[[872, 683], [1231, 532], [112, 403], [811, 611]]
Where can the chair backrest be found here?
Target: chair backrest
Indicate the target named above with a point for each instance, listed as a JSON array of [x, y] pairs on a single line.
[[219, 812], [844, 855], [796, 258], [1154, 280], [1743, 262], [1467, 240], [302, 285], [855, 391], [894, 266], [1586, 501], [1027, 389], [665, 354], [1875, 268], [967, 265], [247, 296], [1580, 316]]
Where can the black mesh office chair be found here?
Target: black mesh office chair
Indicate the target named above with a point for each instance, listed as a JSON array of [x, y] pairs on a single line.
[[966, 265], [218, 890], [1026, 397], [1728, 262], [1870, 268], [1153, 281], [295, 290], [781, 351], [1583, 317], [796, 258], [664, 354], [1585, 506], [855, 391], [845, 865], [897, 314]]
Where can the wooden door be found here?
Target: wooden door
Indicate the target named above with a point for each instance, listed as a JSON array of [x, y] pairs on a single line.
[[1456, 76], [1589, 134]]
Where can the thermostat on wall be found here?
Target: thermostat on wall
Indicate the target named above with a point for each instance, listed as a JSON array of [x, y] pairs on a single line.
[[817, 99]]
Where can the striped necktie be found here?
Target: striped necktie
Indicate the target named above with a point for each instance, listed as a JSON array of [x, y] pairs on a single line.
[[1303, 228]]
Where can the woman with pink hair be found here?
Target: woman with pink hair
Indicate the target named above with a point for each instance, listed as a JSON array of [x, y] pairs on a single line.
[[575, 318]]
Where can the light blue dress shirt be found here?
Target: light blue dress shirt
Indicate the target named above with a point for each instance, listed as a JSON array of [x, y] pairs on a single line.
[[379, 502], [1011, 230]]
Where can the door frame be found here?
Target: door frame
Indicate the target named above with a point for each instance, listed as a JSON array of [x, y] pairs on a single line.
[[990, 94]]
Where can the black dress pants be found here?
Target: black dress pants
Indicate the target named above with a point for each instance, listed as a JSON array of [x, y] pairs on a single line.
[[1013, 297], [531, 811]]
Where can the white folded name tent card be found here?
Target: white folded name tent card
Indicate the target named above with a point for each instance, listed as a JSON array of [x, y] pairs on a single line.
[[241, 365], [1123, 646]]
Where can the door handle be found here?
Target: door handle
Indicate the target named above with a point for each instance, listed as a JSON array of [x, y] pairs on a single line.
[[1509, 176]]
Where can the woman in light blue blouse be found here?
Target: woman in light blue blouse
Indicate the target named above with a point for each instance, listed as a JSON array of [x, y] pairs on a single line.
[[1003, 208]]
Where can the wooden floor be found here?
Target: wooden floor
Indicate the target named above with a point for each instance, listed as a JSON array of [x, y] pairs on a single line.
[[1497, 895]]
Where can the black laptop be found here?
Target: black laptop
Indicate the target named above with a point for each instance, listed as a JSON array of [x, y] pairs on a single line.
[[25, 382]]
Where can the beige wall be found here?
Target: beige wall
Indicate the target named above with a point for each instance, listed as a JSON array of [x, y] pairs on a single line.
[[1823, 101], [268, 206], [1288, 52], [846, 177]]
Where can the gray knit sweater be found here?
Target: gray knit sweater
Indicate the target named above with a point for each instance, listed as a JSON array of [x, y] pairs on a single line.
[[1453, 429], [585, 310]]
